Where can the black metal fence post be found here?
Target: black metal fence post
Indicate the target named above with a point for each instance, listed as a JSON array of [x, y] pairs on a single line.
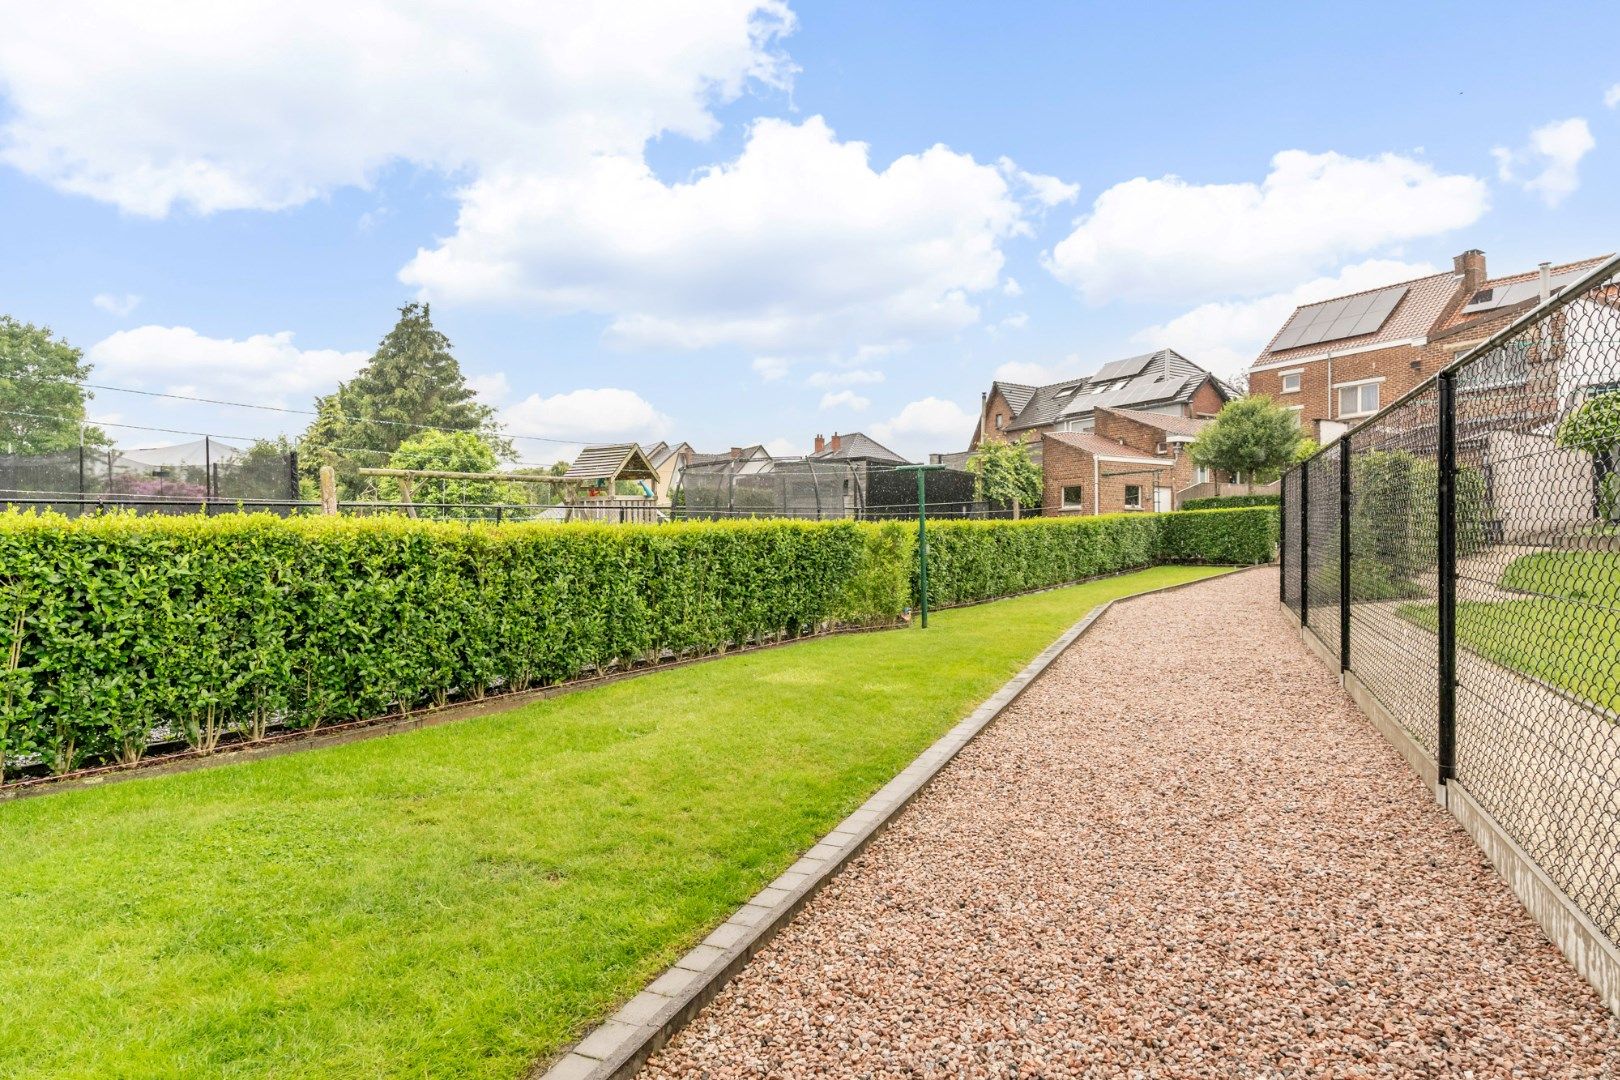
[[1282, 541], [1344, 552], [1304, 542], [292, 476], [1446, 495]]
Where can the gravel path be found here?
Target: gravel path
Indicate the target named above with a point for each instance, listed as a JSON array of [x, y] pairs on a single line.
[[1181, 853]]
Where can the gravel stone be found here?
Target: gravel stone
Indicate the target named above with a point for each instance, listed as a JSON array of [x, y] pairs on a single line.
[[1182, 853]]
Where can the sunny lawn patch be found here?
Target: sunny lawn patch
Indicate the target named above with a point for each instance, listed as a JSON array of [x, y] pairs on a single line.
[[1567, 632], [462, 900]]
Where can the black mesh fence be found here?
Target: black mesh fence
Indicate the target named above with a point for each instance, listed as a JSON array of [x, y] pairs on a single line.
[[205, 475], [1483, 517]]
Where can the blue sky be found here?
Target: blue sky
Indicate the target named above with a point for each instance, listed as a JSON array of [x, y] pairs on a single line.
[[752, 221]]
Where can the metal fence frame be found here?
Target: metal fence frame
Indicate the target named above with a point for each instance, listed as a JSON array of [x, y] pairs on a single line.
[[1466, 481]]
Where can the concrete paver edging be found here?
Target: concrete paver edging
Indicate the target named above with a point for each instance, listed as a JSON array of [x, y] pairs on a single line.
[[619, 1045]]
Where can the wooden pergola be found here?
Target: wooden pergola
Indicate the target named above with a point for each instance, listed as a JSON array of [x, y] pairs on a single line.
[[407, 480]]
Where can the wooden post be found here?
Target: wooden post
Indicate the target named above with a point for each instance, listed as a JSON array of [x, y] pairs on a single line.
[[407, 492], [329, 504], [1015, 509]]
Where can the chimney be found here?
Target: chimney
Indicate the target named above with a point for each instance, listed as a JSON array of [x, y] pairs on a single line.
[[821, 444], [832, 444], [984, 415], [736, 452], [1471, 265], [1546, 281]]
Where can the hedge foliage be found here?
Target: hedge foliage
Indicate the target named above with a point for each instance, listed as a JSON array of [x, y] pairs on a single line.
[[117, 631], [1230, 502]]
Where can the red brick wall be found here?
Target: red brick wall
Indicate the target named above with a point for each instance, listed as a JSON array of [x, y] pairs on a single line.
[[1066, 465], [1206, 400]]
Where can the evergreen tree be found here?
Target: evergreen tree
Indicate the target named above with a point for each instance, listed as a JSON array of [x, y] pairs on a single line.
[[41, 399], [412, 383]]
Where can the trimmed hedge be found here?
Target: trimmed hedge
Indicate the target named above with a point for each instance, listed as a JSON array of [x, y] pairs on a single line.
[[118, 631], [1230, 502]]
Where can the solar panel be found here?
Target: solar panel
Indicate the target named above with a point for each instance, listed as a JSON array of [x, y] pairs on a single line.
[[1501, 296], [1347, 317], [1122, 369]]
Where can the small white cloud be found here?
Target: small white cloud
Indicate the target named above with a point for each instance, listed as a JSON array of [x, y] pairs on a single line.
[[117, 304], [1168, 239], [845, 399], [852, 377], [1012, 288], [1030, 373], [492, 389], [770, 368], [1048, 191], [1016, 321], [1554, 155], [1612, 97], [1226, 336], [588, 415], [265, 369], [924, 426]]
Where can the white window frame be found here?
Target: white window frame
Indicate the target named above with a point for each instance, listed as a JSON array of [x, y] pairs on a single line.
[[1137, 505], [999, 421], [1079, 502], [1297, 375], [1357, 385], [1201, 474]]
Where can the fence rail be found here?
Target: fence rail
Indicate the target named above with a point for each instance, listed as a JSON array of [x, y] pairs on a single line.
[[1459, 554]]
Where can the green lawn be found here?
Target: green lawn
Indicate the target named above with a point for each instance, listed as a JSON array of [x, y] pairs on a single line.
[[1566, 631], [462, 900]]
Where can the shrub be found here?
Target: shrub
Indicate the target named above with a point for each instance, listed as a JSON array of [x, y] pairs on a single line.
[[1242, 536], [119, 631], [1229, 502]]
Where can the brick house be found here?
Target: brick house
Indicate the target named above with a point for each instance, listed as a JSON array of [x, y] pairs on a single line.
[[1163, 382], [1130, 460], [1338, 361]]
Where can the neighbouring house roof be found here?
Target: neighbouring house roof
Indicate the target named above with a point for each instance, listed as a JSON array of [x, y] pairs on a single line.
[[856, 446], [1164, 377], [736, 453], [612, 461], [1188, 426], [1513, 294], [1421, 303], [660, 452], [1099, 447], [1016, 395]]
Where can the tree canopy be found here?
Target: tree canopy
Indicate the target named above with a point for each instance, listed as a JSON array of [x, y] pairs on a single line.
[[1594, 427], [450, 451], [411, 384], [41, 397], [1252, 435], [1004, 473]]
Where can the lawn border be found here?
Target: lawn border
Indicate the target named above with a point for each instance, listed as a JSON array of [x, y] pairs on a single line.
[[620, 1045]]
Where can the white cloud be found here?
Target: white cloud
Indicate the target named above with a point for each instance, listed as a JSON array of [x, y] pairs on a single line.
[[1016, 321], [845, 399], [117, 304], [142, 105], [492, 389], [1033, 374], [1169, 239], [797, 245], [1047, 191], [1226, 336], [1012, 288], [851, 377], [542, 113], [771, 368], [264, 369], [588, 415], [925, 426], [1555, 150], [1611, 97]]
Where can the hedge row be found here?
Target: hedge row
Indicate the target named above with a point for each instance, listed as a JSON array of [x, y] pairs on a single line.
[[1229, 502], [117, 632]]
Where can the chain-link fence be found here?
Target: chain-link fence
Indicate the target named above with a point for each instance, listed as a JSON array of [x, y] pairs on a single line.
[[204, 475], [1474, 527]]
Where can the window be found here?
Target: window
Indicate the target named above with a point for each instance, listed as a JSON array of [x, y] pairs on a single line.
[[999, 419], [1290, 381], [1133, 496], [1200, 475], [1073, 495], [1297, 411], [1360, 399]]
